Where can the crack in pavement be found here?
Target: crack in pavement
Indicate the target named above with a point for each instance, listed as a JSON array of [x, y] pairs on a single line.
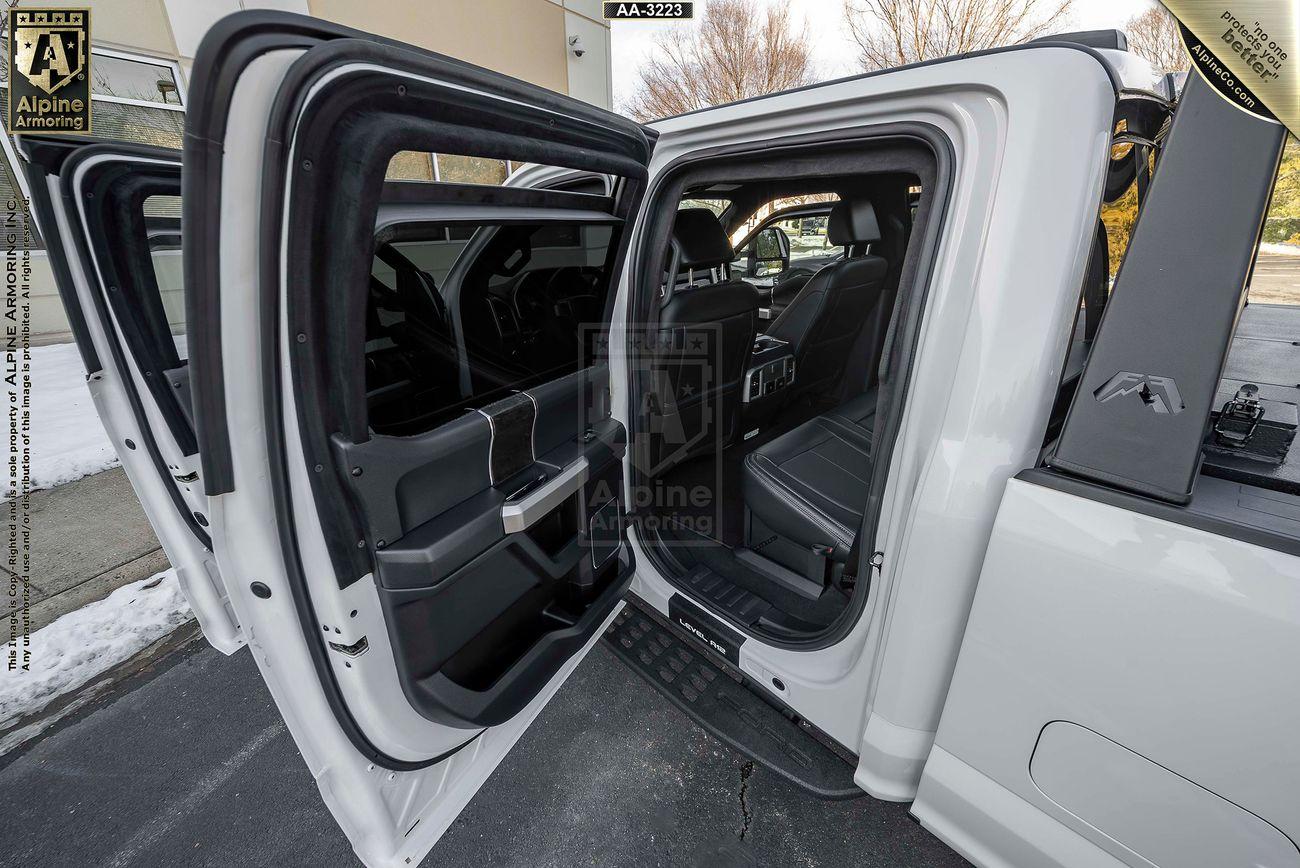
[[746, 817]]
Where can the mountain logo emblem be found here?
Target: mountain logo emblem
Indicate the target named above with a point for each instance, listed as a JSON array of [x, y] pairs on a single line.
[[1158, 393]]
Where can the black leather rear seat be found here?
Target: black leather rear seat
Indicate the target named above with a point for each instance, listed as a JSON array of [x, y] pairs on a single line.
[[808, 487]]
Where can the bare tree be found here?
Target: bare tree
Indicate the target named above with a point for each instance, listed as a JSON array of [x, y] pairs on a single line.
[[740, 49], [1153, 35], [895, 32]]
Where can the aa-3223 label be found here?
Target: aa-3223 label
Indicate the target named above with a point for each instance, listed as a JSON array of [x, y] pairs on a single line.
[[634, 11]]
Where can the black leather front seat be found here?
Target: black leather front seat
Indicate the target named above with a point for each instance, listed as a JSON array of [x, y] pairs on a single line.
[[823, 321], [705, 337]]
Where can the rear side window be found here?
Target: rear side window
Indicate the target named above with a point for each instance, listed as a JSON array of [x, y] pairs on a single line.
[[459, 316]]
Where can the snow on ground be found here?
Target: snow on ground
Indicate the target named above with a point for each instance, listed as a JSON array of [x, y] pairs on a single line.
[[88, 641], [68, 441], [1279, 249]]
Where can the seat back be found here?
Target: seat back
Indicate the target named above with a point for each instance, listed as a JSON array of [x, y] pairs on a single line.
[[824, 320], [705, 337]]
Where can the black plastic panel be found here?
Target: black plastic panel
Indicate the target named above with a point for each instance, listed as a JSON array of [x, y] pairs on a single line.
[[481, 619], [1139, 416], [569, 406], [402, 482]]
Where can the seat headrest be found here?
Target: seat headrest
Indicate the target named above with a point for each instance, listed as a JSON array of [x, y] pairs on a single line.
[[852, 222], [701, 240]]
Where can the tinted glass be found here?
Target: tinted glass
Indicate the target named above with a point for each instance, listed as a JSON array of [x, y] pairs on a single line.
[[525, 301]]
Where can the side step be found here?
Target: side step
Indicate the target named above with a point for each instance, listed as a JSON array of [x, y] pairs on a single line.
[[718, 701]]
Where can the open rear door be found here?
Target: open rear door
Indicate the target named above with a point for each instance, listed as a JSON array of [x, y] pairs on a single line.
[[1125, 693], [402, 409], [110, 216]]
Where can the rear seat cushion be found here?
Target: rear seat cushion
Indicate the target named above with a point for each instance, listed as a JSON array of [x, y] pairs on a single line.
[[810, 484]]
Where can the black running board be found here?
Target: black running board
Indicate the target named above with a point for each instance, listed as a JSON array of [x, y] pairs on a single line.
[[715, 697]]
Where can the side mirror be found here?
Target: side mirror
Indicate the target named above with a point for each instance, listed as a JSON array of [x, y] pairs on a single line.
[[769, 252]]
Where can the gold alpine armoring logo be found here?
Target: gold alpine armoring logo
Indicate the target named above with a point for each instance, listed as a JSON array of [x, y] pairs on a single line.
[[49, 70]]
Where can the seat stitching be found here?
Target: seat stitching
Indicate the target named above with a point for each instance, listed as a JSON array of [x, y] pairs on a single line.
[[837, 536], [792, 498]]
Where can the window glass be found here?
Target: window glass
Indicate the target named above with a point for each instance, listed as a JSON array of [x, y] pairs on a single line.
[[114, 77], [452, 168], [133, 79], [527, 307], [767, 209], [162, 219], [145, 125], [717, 206], [471, 170], [411, 166], [805, 244], [808, 238], [434, 256]]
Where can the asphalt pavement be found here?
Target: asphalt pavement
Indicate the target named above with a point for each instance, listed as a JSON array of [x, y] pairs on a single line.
[[188, 763], [1276, 279]]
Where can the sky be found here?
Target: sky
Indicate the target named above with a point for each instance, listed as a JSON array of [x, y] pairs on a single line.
[[633, 41]]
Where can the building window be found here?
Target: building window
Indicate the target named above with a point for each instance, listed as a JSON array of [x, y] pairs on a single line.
[[133, 98]]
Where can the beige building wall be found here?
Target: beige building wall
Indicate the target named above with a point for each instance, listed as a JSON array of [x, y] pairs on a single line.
[[139, 25], [527, 39]]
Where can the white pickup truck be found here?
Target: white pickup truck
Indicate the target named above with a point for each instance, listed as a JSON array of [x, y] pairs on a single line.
[[938, 532]]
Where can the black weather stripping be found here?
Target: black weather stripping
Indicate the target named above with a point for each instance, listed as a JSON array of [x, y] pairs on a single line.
[[1140, 413]]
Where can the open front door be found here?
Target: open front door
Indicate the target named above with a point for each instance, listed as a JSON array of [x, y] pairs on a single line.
[[401, 404], [110, 216]]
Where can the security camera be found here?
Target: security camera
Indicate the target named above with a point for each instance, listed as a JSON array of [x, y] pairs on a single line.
[[575, 45]]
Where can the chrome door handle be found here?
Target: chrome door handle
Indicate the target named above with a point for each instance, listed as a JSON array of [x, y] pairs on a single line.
[[518, 515]]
